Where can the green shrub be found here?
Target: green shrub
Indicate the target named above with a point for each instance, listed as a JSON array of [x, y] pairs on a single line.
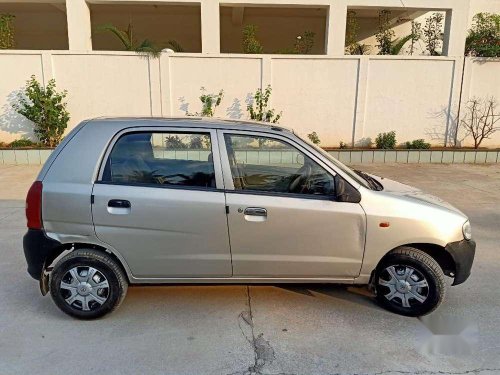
[[250, 42], [314, 138], [261, 112], [386, 141], [18, 143], [45, 107], [6, 31], [418, 144], [484, 36], [343, 145]]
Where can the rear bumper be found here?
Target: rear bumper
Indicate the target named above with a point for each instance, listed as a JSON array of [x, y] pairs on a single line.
[[462, 253], [37, 247]]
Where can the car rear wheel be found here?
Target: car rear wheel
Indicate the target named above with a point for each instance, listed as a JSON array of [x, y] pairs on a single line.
[[87, 284], [409, 282]]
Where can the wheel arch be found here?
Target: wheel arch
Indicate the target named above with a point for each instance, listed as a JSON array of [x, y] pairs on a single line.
[[66, 248], [437, 252]]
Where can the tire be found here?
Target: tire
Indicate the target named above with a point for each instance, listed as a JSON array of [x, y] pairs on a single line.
[[97, 288], [409, 282]]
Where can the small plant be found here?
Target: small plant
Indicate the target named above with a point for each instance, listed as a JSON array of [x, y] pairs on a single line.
[[251, 44], [417, 144], [385, 33], [416, 35], [432, 33], [6, 31], [314, 138], [483, 39], [386, 141], [174, 46], [480, 119], [343, 145], [209, 102], [23, 142], [46, 108], [126, 37], [261, 112]]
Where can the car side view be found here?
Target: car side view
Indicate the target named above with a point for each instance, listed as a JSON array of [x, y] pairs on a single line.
[[149, 201]]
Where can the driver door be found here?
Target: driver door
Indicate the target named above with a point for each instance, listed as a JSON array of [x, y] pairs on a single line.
[[283, 219]]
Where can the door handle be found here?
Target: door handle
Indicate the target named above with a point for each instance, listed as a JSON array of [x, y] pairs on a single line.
[[119, 203], [255, 211]]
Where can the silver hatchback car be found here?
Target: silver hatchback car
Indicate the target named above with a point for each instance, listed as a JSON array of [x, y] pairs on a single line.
[[143, 200]]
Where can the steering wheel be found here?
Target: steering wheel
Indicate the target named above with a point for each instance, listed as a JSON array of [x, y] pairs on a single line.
[[304, 174]]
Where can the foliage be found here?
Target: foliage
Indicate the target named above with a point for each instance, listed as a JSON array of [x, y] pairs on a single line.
[[46, 108], [385, 33], [484, 36], [174, 142], [174, 46], [250, 42], [398, 44], [480, 119], [6, 31], [314, 138], [261, 112], [432, 34], [304, 43], [352, 28], [126, 37], [343, 145], [386, 140], [416, 35], [23, 142], [418, 144], [209, 102]]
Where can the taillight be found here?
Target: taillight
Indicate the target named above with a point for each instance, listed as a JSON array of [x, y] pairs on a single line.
[[34, 206]]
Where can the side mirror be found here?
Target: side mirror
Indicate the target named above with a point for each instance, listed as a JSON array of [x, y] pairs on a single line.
[[344, 192]]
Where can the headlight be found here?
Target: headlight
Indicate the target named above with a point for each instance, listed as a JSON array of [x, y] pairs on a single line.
[[467, 231]]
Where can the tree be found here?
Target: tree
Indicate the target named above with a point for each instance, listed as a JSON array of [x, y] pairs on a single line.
[[46, 108], [250, 42], [314, 138], [261, 112], [432, 33], [126, 37], [480, 119], [483, 39]]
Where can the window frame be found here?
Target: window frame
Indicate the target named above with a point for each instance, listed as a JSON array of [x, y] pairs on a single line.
[[219, 182], [228, 177]]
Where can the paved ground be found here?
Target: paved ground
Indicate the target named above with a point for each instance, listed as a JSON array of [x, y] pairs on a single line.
[[304, 329]]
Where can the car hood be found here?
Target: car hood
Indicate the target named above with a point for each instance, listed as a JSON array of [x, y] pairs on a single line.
[[398, 189]]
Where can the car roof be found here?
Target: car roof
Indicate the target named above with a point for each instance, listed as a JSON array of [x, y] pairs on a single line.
[[191, 121]]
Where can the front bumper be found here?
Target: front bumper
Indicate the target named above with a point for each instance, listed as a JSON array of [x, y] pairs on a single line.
[[37, 248], [462, 253]]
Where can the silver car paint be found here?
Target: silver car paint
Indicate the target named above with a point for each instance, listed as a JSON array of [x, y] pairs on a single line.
[[69, 176]]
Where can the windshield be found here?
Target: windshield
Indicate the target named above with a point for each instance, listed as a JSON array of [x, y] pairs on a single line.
[[344, 168]]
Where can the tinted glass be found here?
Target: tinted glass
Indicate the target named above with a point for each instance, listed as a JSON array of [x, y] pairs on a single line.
[[177, 159], [268, 164]]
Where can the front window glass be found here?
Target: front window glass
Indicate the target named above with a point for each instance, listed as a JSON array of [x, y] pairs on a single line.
[[173, 159], [270, 165]]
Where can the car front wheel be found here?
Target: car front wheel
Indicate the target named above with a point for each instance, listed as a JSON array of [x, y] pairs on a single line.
[[87, 284], [409, 282]]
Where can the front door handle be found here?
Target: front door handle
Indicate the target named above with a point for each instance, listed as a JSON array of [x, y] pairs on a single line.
[[119, 203], [119, 207], [255, 211]]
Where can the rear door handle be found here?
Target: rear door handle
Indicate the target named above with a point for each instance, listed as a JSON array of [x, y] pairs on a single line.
[[119, 203], [255, 211]]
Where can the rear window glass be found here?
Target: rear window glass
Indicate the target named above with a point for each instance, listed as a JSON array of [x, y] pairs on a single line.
[[172, 159]]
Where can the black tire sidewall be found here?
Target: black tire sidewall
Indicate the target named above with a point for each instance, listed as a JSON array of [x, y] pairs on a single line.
[[434, 297], [81, 261]]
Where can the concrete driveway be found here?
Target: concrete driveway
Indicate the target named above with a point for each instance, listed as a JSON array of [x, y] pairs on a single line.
[[296, 329]]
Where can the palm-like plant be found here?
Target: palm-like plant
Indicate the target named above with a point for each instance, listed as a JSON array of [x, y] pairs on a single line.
[[398, 44], [126, 38]]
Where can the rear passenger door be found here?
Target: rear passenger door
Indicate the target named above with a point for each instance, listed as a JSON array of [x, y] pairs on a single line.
[[159, 201]]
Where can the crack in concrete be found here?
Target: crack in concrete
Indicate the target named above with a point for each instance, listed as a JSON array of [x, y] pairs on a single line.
[[423, 372], [263, 351]]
